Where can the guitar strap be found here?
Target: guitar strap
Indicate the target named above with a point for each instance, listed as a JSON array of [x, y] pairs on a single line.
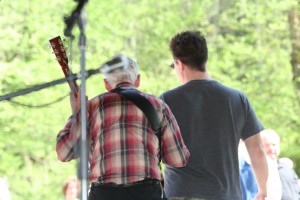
[[148, 109]]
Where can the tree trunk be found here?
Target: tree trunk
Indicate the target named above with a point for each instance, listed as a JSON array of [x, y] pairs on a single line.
[[294, 22]]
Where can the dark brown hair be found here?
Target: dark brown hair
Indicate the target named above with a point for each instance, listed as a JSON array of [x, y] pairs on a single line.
[[190, 47]]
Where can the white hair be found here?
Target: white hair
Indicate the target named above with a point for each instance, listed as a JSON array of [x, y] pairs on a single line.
[[120, 76], [270, 136], [124, 71], [269, 133]]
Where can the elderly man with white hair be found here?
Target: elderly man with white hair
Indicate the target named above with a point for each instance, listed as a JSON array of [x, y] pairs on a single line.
[[124, 149], [288, 178]]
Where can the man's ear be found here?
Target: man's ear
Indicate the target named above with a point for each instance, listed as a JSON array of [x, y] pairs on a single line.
[[181, 65], [137, 81], [107, 85]]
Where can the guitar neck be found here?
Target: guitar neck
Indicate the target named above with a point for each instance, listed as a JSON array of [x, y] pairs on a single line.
[[61, 56], [72, 83]]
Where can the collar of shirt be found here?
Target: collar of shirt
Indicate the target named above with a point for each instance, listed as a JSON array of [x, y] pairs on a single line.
[[125, 85]]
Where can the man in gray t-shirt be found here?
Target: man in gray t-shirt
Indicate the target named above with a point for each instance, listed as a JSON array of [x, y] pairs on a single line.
[[212, 118]]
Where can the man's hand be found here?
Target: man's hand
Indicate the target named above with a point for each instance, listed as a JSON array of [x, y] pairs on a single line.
[[261, 196]]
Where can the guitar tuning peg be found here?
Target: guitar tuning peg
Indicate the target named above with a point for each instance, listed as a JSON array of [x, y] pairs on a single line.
[[51, 46], [58, 58]]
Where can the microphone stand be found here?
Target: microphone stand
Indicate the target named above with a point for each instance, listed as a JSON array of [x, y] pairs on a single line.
[[79, 15], [84, 147], [47, 85], [42, 86]]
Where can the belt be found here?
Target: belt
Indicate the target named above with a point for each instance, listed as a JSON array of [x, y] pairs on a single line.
[[147, 181]]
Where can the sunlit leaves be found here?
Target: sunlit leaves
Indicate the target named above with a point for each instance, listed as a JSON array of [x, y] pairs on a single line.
[[249, 49]]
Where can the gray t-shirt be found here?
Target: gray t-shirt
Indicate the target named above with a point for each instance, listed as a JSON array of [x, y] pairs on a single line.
[[212, 119]]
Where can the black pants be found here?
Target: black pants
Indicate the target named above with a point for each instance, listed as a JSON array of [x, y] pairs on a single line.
[[147, 191]]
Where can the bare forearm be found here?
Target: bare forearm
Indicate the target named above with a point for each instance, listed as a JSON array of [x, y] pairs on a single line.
[[260, 168], [258, 162]]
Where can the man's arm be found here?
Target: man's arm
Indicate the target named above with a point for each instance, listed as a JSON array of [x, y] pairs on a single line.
[[68, 138], [174, 151], [259, 164], [66, 142]]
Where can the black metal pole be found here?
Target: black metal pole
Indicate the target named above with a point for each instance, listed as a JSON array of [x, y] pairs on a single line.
[[40, 87], [35, 88]]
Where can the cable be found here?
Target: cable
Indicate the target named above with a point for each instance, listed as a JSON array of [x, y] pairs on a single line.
[[38, 106]]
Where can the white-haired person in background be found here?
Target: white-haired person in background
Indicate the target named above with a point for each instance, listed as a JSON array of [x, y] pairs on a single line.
[[124, 149], [288, 177]]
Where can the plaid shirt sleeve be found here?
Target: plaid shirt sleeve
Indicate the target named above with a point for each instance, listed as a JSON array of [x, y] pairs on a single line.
[[67, 140], [174, 151]]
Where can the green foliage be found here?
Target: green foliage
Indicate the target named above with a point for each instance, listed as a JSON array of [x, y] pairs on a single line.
[[249, 49]]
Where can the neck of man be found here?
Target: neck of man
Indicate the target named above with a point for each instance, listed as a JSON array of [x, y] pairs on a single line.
[[190, 75]]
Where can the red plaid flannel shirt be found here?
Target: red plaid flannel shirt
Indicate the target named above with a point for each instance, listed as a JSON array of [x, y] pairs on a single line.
[[123, 148]]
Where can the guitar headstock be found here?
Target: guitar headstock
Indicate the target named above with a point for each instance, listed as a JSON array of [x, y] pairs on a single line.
[[61, 56], [59, 51]]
